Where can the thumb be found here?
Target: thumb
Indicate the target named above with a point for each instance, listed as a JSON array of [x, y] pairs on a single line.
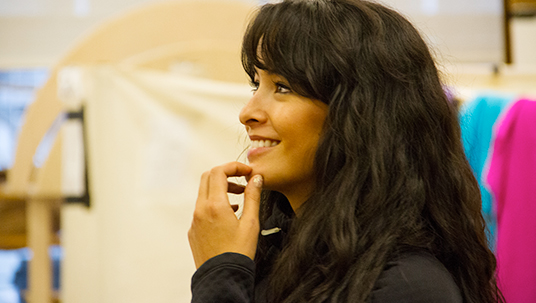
[[252, 198]]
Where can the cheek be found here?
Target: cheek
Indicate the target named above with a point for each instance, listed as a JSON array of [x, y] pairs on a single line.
[[305, 128]]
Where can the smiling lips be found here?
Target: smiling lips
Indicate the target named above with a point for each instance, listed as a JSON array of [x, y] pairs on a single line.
[[263, 143], [258, 146]]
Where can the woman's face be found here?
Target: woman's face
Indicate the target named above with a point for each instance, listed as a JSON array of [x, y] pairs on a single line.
[[284, 129]]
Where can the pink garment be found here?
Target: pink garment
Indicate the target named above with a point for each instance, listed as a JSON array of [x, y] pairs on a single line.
[[512, 180]]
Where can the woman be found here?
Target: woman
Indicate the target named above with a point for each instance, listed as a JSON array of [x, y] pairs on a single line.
[[367, 195]]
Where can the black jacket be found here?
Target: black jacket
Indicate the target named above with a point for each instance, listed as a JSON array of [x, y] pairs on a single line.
[[415, 277]]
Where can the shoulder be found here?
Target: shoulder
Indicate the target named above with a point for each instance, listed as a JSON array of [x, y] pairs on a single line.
[[415, 277]]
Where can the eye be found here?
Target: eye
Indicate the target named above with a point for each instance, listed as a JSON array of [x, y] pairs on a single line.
[[254, 86], [282, 88]]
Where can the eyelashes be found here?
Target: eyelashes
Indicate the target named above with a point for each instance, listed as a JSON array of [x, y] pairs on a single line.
[[280, 87], [254, 86]]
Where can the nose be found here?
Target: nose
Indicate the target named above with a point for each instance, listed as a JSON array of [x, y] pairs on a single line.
[[253, 112]]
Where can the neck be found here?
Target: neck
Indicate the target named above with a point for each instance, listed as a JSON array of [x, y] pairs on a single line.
[[297, 197]]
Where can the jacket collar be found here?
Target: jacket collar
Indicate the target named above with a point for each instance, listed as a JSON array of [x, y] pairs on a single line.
[[276, 227]]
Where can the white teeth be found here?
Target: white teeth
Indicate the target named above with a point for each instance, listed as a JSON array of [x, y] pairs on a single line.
[[263, 143]]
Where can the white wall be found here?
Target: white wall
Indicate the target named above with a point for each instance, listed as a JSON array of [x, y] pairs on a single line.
[[524, 43], [518, 78]]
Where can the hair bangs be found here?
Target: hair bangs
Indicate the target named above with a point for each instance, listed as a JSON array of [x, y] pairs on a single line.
[[278, 42]]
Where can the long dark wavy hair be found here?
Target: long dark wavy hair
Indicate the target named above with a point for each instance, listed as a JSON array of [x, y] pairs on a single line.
[[391, 173]]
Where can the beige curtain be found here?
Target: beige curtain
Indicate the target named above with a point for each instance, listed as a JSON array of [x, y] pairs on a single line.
[[149, 137]]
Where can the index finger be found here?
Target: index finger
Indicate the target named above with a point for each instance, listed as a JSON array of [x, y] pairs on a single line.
[[218, 186]]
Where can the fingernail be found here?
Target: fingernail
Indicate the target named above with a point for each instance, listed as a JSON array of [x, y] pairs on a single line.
[[257, 181]]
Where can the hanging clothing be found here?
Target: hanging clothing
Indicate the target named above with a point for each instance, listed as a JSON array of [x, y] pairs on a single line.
[[512, 180], [477, 118]]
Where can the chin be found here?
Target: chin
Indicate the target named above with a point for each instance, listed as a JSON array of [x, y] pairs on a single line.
[[255, 170]]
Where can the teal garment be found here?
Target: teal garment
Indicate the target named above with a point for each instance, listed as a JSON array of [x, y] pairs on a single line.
[[477, 119]]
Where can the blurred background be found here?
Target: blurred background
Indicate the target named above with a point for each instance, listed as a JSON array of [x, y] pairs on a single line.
[[111, 109]]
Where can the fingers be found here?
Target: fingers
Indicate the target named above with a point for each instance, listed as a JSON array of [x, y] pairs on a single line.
[[234, 188], [218, 184], [252, 198], [203, 186], [235, 169], [215, 229], [213, 187]]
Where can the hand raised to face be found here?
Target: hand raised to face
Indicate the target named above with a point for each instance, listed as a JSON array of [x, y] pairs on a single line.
[[215, 228]]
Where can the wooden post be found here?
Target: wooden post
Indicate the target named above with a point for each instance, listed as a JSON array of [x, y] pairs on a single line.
[[39, 226]]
